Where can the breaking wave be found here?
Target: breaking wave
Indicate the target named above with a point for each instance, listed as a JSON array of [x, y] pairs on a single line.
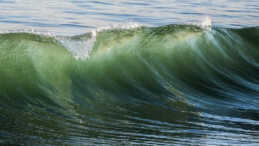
[[170, 84]]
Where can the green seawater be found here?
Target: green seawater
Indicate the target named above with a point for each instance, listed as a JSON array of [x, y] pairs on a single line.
[[173, 84]]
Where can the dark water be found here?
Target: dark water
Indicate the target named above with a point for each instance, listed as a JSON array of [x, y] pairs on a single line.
[[129, 84]]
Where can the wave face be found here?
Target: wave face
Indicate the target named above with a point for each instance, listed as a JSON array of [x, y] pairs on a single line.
[[175, 84]]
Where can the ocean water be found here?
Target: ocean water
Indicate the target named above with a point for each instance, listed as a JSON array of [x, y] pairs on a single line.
[[129, 72]]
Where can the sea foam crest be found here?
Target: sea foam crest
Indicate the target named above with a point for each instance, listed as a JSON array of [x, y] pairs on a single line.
[[203, 22], [81, 47], [118, 26]]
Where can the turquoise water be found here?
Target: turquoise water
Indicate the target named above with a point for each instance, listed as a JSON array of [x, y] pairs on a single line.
[[129, 73]]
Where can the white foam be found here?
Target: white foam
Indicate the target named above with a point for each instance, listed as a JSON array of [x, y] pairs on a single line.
[[203, 22], [131, 25], [80, 48]]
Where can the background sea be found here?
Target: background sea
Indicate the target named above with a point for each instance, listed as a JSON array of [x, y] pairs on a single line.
[[77, 17], [129, 72]]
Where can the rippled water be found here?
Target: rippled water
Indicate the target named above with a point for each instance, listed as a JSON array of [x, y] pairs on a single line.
[[78, 16], [128, 73]]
